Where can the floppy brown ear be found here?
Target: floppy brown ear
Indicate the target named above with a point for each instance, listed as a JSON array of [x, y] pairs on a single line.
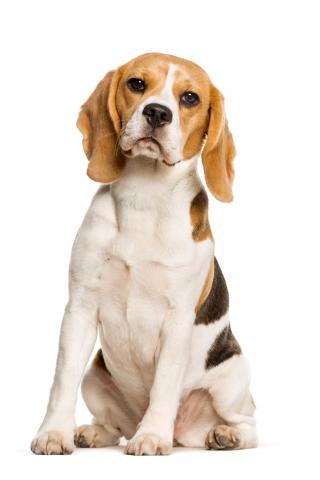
[[99, 124], [219, 150]]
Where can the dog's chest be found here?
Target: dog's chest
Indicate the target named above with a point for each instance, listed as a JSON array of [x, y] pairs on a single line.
[[147, 259]]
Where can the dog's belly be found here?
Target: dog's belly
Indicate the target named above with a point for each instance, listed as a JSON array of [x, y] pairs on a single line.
[[132, 309]]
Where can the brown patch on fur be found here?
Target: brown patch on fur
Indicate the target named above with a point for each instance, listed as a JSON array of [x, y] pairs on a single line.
[[206, 287], [152, 69], [224, 347], [219, 151], [99, 362], [194, 121], [199, 217], [99, 123], [217, 302]]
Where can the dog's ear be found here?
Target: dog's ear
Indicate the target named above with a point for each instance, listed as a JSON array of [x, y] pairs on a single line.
[[99, 124], [219, 150]]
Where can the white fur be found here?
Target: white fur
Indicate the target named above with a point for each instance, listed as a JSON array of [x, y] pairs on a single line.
[[136, 276]]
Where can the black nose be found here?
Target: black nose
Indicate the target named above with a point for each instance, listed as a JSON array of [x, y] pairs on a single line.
[[157, 115]]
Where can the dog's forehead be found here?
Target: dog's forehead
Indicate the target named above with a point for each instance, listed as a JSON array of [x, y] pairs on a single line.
[[157, 65]]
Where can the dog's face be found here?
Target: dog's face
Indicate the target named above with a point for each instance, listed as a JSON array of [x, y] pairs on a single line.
[[163, 108], [159, 107]]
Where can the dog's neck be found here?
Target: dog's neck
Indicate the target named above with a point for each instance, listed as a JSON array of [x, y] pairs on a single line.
[[146, 182], [145, 171]]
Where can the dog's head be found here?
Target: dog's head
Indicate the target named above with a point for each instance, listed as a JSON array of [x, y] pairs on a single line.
[[159, 107]]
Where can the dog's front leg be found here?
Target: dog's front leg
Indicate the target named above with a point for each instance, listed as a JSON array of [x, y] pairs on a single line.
[[155, 433], [77, 337]]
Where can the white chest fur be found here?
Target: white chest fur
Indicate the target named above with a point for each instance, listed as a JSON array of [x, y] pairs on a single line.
[[135, 251]]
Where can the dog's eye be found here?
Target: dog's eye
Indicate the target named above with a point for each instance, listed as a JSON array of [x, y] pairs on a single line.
[[136, 85], [189, 99]]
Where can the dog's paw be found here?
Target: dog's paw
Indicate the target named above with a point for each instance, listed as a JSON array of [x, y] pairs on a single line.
[[52, 443], [91, 436], [86, 436], [148, 444], [223, 437]]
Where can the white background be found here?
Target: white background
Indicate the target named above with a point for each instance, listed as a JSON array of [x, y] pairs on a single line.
[[263, 56]]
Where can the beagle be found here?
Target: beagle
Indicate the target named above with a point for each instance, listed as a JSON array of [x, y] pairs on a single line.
[[143, 273]]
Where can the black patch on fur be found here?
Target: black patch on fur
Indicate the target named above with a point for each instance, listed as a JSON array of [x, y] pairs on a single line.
[[199, 217], [217, 303], [224, 347]]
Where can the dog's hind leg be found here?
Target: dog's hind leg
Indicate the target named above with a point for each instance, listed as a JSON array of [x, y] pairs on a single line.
[[220, 415], [112, 417], [228, 385]]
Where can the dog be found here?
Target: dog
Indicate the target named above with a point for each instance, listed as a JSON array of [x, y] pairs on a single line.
[[143, 273]]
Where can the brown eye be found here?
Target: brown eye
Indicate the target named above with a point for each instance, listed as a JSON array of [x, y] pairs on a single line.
[[189, 99], [136, 85]]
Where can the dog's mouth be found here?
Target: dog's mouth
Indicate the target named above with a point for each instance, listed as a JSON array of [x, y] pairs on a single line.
[[146, 147], [149, 147], [170, 164], [148, 142]]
